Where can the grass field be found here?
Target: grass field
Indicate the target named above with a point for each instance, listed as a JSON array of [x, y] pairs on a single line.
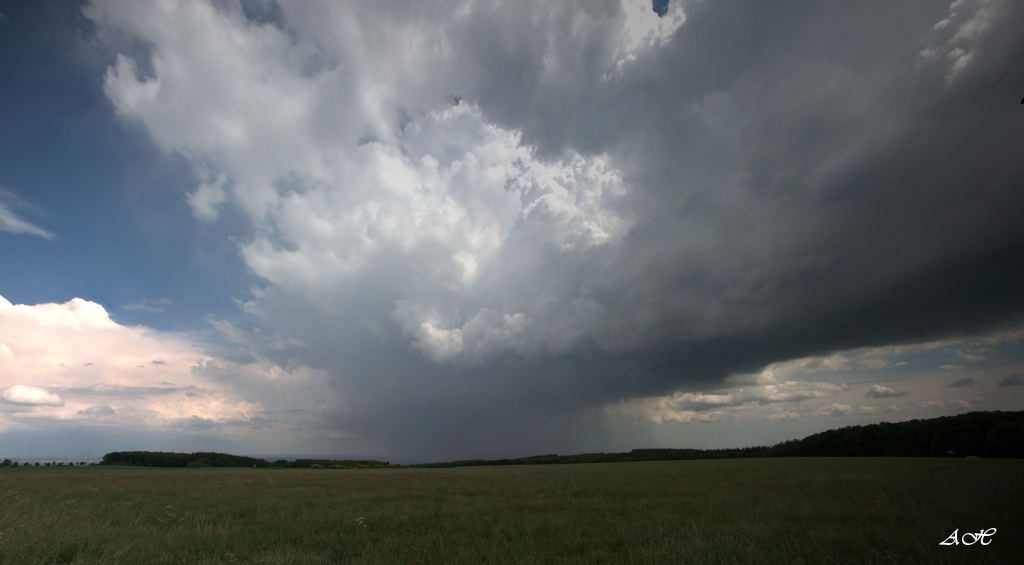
[[732, 511]]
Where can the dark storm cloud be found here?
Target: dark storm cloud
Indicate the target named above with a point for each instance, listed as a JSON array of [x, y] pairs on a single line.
[[805, 180], [876, 202], [804, 177]]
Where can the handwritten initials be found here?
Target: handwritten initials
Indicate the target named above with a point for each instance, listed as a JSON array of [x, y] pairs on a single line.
[[969, 538]]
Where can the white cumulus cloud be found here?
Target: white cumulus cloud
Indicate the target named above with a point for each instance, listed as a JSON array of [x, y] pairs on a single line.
[[73, 359], [31, 395]]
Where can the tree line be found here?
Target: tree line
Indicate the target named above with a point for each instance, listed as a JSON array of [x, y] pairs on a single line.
[[978, 434], [207, 459], [9, 463], [166, 459]]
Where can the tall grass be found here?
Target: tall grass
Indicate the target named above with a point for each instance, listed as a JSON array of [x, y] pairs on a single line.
[[736, 511]]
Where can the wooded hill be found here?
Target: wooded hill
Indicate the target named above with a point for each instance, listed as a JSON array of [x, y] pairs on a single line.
[[978, 434]]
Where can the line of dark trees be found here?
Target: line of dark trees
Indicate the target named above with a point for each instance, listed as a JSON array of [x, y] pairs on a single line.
[[207, 459], [979, 434], [666, 454], [9, 463], [165, 459], [331, 464]]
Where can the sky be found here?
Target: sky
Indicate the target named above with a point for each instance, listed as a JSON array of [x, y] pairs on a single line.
[[448, 229]]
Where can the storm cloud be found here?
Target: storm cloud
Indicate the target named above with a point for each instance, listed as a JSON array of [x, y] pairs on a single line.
[[487, 220]]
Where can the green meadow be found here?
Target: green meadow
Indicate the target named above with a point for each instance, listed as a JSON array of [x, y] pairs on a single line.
[[795, 510]]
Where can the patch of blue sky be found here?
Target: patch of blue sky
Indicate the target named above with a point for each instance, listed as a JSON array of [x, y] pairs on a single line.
[[123, 232]]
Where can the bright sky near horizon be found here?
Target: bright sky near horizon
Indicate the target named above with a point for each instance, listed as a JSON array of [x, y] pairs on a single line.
[[472, 228]]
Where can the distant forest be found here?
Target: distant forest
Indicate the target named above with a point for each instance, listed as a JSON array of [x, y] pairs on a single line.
[[975, 434], [203, 459]]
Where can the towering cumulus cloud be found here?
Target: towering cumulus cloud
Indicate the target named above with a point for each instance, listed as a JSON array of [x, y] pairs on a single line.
[[486, 220]]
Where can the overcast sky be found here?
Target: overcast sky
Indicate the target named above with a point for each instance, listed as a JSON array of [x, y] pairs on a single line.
[[482, 228]]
